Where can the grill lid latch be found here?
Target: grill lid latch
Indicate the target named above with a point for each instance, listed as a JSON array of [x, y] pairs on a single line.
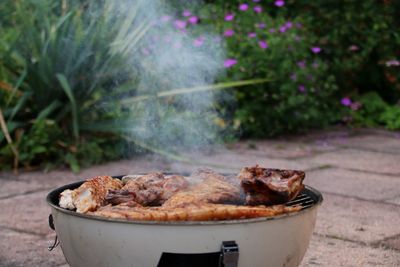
[[229, 254]]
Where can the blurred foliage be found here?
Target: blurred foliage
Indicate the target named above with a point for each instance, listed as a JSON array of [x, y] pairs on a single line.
[[66, 71], [59, 60], [262, 45]]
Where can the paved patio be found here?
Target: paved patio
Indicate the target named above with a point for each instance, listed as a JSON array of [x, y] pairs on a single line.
[[358, 172]]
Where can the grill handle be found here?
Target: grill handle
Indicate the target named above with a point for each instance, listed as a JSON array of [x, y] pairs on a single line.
[[56, 241], [228, 256]]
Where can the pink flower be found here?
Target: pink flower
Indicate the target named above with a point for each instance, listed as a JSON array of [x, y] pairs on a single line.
[[302, 88], [260, 25], [346, 101], [282, 29], [193, 20], [198, 41], [165, 18], [186, 13], [145, 51], [228, 33], [315, 49], [229, 17], [257, 9], [243, 7], [279, 3], [180, 24], [263, 44], [289, 24], [301, 64], [252, 35], [229, 62]]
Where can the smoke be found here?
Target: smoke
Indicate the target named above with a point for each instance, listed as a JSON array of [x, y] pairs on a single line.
[[174, 52]]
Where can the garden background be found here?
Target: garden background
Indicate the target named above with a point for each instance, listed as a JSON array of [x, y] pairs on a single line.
[[83, 82]]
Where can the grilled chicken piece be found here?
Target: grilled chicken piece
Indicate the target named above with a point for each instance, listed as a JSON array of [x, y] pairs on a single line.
[[152, 189], [213, 188], [270, 186], [191, 212], [90, 195]]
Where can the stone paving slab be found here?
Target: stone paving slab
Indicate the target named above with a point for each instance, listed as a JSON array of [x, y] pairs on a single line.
[[393, 242], [354, 159], [32, 214], [280, 148], [328, 252], [354, 183], [10, 188], [22, 250], [358, 220], [228, 160], [379, 143], [395, 200]]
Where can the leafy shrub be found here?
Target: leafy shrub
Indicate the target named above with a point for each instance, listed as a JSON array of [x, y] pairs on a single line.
[[58, 67], [299, 95]]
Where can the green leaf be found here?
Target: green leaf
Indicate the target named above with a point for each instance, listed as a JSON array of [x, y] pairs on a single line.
[[68, 91], [217, 86]]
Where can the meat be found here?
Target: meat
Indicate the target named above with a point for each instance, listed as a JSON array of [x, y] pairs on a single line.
[[212, 188], [152, 189], [270, 186], [191, 212], [205, 195], [90, 195]]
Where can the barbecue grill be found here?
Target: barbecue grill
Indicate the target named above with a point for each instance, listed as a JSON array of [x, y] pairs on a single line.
[[88, 240]]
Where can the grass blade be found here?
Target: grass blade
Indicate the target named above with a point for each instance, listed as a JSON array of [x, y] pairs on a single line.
[[195, 89], [68, 91]]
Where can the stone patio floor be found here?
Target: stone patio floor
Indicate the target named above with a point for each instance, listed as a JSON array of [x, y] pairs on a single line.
[[358, 172]]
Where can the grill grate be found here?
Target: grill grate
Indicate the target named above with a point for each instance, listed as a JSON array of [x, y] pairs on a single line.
[[304, 199]]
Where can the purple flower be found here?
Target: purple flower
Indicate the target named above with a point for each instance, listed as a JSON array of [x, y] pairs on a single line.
[[302, 88], [315, 65], [293, 76], [263, 44], [256, 1], [279, 3], [198, 41], [257, 9], [252, 35], [298, 25], [243, 7], [260, 25], [180, 24], [186, 13], [229, 62], [315, 49], [193, 20], [353, 48], [229, 33], [297, 38], [288, 24], [165, 18], [355, 106], [229, 17], [392, 63], [145, 51], [301, 64], [346, 101], [272, 30], [282, 29]]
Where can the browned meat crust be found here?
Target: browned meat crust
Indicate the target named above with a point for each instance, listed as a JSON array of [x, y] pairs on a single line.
[[192, 212], [270, 186]]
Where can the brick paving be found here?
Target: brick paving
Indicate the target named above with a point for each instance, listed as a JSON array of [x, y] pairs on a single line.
[[358, 172]]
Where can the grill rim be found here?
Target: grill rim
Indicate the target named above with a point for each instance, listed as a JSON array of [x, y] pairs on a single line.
[[53, 196]]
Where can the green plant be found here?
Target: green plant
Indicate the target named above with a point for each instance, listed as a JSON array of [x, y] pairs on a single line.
[[258, 44]]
